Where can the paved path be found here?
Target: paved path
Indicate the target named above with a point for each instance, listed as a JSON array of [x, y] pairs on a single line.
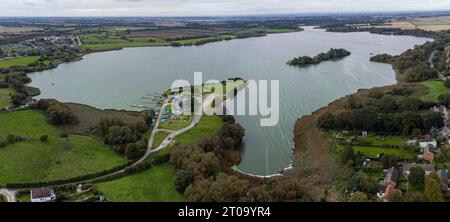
[[9, 194]]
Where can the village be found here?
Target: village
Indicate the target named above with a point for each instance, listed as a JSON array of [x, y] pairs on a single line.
[[39, 45], [391, 162]]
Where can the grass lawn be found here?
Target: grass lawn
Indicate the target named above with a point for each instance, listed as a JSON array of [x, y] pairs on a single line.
[[376, 175], [5, 99], [153, 185], [435, 89], [159, 137], [372, 152], [207, 125], [380, 141], [176, 124], [58, 158], [20, 61]]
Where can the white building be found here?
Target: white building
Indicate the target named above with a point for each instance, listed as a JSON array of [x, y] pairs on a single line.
[[43, 195]]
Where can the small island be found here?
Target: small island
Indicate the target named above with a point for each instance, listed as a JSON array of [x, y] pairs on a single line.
[[330, 55]]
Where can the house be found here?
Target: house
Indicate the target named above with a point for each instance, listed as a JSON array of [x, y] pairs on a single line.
[[427, 140], [445, 132], [429, 153], [428, 168], [388, 192], [364, 134], [389, 182], [44, 194], [391, 178]]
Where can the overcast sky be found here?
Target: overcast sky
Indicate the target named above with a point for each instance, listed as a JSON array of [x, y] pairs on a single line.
[[206, 7]]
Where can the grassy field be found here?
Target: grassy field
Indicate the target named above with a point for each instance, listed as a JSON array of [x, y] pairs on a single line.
[[373, 152], [153, 185], [21, 61], [380, 141], [58, 158], [207, 125], [435, 89], [5, 99], [159, 137]]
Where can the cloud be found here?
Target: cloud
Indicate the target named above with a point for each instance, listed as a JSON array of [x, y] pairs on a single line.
[[205, 7]]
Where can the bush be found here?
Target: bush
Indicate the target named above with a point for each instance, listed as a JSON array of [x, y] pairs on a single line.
[[58, 114], [183, 179], [44, 138], [64, 135], [135, 150]]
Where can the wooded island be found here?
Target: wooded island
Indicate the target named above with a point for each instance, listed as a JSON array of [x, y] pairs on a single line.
[[330, 55]]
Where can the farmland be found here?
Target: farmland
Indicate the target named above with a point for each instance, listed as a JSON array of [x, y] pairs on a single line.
[[33, 160], [111, 39]]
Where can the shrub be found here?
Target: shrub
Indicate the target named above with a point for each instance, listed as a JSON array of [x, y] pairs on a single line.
[[183, 179], [44, 138]]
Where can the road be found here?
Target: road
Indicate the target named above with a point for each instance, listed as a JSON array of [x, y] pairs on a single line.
[[430, 60], [9, 194]]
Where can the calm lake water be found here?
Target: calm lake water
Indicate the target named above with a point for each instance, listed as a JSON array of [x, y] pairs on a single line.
[[119, 79]]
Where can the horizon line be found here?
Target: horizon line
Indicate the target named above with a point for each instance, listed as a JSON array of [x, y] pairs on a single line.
[[318, 13]]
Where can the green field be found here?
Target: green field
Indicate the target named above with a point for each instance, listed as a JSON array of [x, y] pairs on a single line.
[[159, 137], [435, 89], [153, 185], [373, 152], [207, 125], [5, 98], [380, 141], [429, 22], [21, 61], [198, 40], [58, 158]]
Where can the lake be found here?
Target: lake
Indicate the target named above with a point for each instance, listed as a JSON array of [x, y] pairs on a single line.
[[118, 79]]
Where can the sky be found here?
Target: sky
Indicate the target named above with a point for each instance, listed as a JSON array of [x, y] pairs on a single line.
[[207, 7]]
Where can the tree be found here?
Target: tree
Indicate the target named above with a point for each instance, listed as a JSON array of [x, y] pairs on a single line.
[[347, 154], [18, 99], [415, 197], [416, 177], [447, 83], [183, 179], [105, 123], [433, 191], [234, 131], [134, 151], [359, 197], [59, 114], [44, 138], [120, 135]]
